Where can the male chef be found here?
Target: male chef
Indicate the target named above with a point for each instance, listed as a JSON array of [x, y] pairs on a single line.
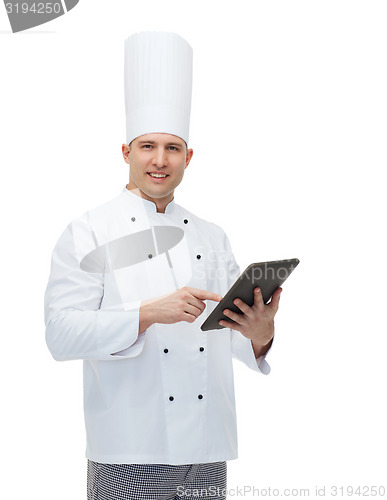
[[131, 282]]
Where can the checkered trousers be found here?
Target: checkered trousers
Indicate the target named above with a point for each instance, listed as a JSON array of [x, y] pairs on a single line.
[[156, 481]]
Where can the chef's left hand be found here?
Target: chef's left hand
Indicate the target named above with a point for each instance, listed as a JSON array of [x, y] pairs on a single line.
[[256, 322]]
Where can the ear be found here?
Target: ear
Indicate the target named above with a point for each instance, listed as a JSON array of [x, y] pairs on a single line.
[[125, 152], [188, 157]]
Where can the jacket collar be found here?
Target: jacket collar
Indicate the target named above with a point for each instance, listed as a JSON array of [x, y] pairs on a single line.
[[149, 206]]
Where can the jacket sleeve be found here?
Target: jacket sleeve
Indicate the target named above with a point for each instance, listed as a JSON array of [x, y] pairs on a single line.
[[241, 346], [76, 327]]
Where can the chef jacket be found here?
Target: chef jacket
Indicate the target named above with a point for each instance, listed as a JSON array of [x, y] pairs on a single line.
[[165, 395]]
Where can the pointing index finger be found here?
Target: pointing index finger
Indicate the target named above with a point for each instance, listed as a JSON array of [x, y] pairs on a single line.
[[205, 294]]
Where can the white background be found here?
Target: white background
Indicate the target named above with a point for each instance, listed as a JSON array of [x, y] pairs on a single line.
[[289, 135]]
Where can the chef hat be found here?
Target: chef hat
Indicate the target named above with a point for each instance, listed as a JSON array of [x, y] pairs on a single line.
[[158, 84]]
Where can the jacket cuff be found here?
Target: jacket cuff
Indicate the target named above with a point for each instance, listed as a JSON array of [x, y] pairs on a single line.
[[134, 350], [133, 342], [242, 349]]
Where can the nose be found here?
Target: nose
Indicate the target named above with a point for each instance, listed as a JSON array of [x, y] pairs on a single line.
[[159, 158]]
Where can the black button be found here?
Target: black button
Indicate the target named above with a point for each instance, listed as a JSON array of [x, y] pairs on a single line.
[[200, 396], [133, 219], [165, 350], [198, 256], [150, 256], [171, 398], [201, 349], [185, 221]]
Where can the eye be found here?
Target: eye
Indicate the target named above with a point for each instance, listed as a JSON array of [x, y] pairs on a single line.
[[147, 146], [173, 148]]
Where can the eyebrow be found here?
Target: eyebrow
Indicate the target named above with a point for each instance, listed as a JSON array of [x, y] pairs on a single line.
[[168, 143]]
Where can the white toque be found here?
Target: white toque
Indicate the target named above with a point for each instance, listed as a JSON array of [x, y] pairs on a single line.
[[158, 84]]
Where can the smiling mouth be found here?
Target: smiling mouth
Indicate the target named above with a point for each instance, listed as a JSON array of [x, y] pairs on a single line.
[[157, 176]]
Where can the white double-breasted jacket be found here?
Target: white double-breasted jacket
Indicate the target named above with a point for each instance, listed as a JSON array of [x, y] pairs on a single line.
[[166, 395]]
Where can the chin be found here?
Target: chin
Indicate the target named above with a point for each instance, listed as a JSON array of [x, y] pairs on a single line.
[[156, 193]]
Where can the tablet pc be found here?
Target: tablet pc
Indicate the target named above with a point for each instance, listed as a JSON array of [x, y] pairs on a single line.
[[268, 276]]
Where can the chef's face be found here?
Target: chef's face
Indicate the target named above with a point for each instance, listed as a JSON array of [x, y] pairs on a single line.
[[157, 164]]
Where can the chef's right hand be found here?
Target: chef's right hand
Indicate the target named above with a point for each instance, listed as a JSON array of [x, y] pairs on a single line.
[[185, 304]]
